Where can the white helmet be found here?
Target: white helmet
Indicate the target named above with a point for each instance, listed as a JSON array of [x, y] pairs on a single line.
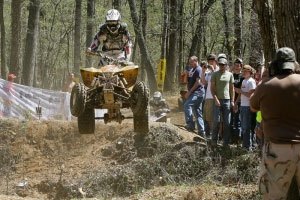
[[113, 15], [157, 97]]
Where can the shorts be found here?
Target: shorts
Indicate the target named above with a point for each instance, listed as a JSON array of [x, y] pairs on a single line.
[[279, 165]]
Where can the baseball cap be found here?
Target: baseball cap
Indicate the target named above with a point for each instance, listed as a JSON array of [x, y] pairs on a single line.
[[211, 57], [222, 61], [285, 58], [238, 60], [222, 55]]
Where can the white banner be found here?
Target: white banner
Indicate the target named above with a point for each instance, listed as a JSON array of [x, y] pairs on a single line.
[[25, 102]]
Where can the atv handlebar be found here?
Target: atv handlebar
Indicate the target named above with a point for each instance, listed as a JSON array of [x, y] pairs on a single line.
[[108, 59]]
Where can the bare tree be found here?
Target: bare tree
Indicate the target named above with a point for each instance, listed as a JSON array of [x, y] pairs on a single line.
[[287, 15], [116, 4], [77, 29], [197, 36], [172, 46], [31, 42], [227, 31], [90, 9], [142, 45], [256, 50], [15, 41], [2, 48], [238, 28], [143, 20], [265, 13], [181, 38]]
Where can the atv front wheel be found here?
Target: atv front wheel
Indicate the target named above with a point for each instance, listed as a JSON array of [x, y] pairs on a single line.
[[141, 123], [86, 121], [139, 107], [77, 99], [139, 99]]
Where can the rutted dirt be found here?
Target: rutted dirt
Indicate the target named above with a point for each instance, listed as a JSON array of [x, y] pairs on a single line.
[[51, 160]]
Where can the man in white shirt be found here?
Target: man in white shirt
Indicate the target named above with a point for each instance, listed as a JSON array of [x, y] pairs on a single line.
[[247, 88]]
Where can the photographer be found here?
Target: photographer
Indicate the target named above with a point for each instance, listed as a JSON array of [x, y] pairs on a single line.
[[278, 100]]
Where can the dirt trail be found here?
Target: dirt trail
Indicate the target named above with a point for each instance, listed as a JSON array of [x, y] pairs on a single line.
[[53, 161]]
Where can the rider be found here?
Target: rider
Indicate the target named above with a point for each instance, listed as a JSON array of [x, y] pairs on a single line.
[[114, 37], [159, 104]]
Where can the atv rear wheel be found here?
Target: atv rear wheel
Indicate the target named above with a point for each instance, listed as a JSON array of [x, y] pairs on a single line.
[[86, 121], [139, 107], [77, 99]]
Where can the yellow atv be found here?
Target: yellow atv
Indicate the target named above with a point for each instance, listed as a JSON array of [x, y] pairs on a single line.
[[113, 86]]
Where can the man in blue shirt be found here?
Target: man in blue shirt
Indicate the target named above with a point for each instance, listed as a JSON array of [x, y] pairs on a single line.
[[194, 98]]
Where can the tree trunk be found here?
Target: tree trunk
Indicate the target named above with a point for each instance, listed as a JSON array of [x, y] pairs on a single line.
[[31, 42], [197, 36], [164, 47], [116, 4], [255, 42], [2, 49], [173, 48], [227, 31], [287, 15], [181, 38], [90, 9], [238, 29], [267, 27], [15, 41], [143, 20], [143, 48], [77, 29]]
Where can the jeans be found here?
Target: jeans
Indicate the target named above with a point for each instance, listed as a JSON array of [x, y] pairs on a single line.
[[193, 105], [235, 123], [223, 110], [246, 126]]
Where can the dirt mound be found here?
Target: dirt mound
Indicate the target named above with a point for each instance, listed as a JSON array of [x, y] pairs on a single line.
[[51, 160], [55, 159]]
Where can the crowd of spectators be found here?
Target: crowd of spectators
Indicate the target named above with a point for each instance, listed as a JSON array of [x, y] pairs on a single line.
[[218, 96]]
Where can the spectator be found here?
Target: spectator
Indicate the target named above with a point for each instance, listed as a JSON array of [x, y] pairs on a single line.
[[183, 86], [209, 101], [194, 98], [278, 100], [8, 99], [235, 122], [222, 90], [69, 83], [247, 88]]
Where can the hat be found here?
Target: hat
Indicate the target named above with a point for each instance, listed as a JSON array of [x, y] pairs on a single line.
[[238, 60], [222, 61], [222, 55], [11, 76], [211, 57], [285, 58], [249, 68]]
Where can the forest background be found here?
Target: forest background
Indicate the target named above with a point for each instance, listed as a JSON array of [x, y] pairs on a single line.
[[42, 41]]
